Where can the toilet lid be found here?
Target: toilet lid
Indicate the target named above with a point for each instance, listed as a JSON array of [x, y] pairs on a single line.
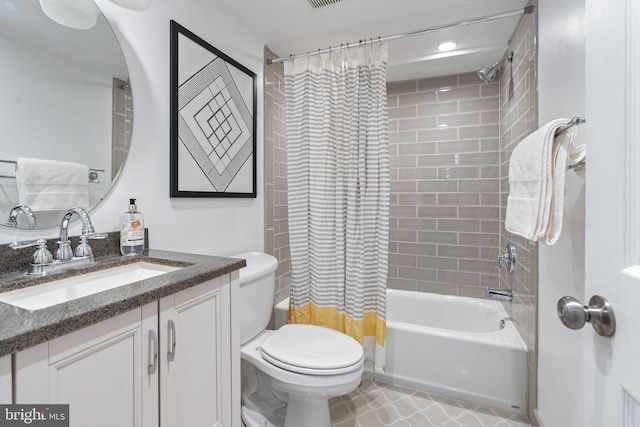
[[310, 349]]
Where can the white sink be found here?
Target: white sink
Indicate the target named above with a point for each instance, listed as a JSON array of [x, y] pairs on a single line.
[[59, 291]]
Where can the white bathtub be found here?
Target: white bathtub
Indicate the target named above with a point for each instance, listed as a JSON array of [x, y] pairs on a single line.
[[453, 346]]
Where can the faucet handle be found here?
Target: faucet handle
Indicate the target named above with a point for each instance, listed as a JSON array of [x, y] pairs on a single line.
[[508, 257], [27, 244], [41, 256], [83, 249]]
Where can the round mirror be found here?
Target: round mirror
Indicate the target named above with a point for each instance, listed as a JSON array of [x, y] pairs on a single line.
[[65, 98]]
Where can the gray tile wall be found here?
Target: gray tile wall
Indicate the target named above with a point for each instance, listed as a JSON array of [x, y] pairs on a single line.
[[275, 183], [445, 183], [122, 124], [518, 110]]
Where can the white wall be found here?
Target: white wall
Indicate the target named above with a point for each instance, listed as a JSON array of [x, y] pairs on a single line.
[[561, 93], [209, 226]]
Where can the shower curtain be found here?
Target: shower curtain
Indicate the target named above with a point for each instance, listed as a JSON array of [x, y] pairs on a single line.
[[338, 187]]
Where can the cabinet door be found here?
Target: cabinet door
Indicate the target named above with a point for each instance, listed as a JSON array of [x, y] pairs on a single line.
[[100, 371], [191, 377], [5, 380], [233, 349]]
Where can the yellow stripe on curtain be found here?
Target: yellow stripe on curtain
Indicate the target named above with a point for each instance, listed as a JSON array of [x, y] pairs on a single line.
[[329, 317]]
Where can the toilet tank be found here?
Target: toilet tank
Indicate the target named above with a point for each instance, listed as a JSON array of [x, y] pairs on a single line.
[[257, 287]]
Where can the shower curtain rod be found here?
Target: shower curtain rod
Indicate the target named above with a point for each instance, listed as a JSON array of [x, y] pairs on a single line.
[[523, 11]]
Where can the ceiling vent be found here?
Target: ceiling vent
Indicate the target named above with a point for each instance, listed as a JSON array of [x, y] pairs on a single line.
[[317, 4]]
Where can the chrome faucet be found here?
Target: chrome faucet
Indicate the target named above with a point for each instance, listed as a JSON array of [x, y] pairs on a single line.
[[12, 221], [503, 294], [64, 252], [42, 262]]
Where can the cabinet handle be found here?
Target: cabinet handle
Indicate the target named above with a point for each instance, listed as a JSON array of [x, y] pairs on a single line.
[[153, 338], [172, 352]]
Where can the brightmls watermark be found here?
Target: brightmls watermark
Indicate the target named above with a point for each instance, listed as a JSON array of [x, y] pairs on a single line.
[[34, 415]]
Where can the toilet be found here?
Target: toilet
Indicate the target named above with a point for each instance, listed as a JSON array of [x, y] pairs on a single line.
[[288, 375]]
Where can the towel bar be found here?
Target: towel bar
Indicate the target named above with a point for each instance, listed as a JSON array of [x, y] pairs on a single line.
[[578, 166], [93, 173], [573, 122]]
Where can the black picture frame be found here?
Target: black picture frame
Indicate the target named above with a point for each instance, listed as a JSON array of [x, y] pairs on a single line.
[[213, 120]]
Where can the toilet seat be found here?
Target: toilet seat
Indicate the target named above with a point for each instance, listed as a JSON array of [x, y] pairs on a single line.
[[313, 350]]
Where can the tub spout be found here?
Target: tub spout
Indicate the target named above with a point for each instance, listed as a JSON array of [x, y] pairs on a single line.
[[503, 294]]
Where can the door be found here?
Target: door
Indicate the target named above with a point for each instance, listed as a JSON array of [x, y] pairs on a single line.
[[100, 371], [612, 365], [191, 358]]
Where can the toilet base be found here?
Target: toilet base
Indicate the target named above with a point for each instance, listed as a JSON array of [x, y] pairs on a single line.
[[301, 411], [308, 412], [253, 418]]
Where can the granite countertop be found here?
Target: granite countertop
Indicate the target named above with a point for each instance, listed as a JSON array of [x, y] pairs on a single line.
[[23, 328]]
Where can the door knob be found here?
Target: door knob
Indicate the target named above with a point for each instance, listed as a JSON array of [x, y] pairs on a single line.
[[573, 314]]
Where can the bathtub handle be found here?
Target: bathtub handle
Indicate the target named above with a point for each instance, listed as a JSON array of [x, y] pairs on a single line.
[[573, 314], [508, 257]]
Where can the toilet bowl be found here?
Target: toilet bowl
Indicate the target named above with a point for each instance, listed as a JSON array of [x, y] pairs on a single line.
[[288, 375], [305, 394]]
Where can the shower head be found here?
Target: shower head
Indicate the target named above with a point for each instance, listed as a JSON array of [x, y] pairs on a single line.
[[487, 74]]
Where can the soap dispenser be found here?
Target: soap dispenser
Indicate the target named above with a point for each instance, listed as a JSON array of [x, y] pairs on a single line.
[[132, 231]]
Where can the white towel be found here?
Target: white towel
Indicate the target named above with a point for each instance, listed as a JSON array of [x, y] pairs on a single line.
[[536, 179], [46, 185]]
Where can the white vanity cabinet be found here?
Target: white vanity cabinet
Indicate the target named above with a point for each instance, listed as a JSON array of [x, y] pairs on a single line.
[[110, 375]]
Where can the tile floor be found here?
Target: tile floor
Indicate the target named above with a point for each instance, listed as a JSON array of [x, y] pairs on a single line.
[[375, 404]]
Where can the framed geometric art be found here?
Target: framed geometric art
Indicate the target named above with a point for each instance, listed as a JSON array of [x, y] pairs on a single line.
[[213, 120]]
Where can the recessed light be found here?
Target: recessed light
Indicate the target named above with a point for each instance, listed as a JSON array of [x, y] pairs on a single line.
[[447, 46]]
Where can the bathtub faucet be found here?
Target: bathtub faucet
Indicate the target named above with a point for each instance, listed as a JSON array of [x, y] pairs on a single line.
[[504, 294]]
